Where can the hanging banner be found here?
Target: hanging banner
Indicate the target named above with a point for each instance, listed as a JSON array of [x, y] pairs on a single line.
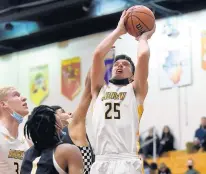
[[203, 41], [39, 84], [70, 77], [109, 59], [176, 57]]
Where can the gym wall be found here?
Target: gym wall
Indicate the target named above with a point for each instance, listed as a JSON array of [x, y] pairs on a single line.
[[180, 108]]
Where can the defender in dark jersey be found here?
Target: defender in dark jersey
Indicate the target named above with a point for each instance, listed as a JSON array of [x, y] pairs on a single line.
[[76, 129], [49, 155]]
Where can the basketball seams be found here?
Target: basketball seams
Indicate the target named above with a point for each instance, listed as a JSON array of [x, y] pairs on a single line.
[[129, 15], [133, 26], [142, 22], [145, 14], [142, 15], [127, 19], [127, 22], [132, 8]]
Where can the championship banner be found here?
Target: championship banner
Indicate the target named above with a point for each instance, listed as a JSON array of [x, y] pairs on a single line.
[[39, 84], [203, 56], [109, 59], [70, 77]]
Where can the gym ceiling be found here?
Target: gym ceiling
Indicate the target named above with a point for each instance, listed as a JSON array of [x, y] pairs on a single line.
[[30, 23]]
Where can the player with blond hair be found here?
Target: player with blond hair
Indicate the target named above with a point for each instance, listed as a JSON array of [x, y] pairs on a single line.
[[13, 108]]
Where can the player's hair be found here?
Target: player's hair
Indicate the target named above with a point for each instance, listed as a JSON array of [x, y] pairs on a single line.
[[125, 57], [4, 91], [56, 107], [41, 127]]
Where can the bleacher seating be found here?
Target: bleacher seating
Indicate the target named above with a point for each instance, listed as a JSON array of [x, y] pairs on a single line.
[[177, 161]]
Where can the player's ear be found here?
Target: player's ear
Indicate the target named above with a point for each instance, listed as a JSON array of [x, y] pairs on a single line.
[[3, 104]]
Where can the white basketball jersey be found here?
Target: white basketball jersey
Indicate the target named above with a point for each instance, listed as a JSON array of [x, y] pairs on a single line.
[[11, 152], [115, 120]]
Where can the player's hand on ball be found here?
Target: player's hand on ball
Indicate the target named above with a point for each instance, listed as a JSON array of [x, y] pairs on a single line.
[[147, 35], [121, 25]]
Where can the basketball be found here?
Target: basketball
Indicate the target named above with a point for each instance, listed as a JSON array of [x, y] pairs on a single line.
[[140, 19]]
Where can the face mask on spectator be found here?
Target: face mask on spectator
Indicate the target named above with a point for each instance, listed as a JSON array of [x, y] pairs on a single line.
[[190, 164], [190, 167]]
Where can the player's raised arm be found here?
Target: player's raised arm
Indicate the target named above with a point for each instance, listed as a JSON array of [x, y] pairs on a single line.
[[98, 67], [80, 113], [142, 67]]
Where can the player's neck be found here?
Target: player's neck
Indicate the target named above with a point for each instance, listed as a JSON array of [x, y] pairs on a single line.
[[117, 85], [120, 82], [10, 124]]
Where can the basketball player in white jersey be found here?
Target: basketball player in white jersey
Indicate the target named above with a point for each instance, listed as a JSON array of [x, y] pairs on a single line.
[[115, 116], [13, 108]]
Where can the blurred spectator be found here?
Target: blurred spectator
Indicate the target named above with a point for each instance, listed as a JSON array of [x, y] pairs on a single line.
[[153, 168], [166, 142], [163, 169], [148, 148], [200, 138], [200, 135], [191, 169]]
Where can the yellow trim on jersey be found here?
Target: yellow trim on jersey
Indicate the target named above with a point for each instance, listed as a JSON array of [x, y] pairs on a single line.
[[142, 168], [140, 110], [34, 165]]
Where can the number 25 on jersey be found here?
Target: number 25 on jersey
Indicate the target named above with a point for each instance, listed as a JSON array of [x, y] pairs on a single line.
[[112, 108]]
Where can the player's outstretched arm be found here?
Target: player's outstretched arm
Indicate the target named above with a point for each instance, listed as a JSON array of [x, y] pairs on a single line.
[[80, 113], [98, 67], [142, 67]]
